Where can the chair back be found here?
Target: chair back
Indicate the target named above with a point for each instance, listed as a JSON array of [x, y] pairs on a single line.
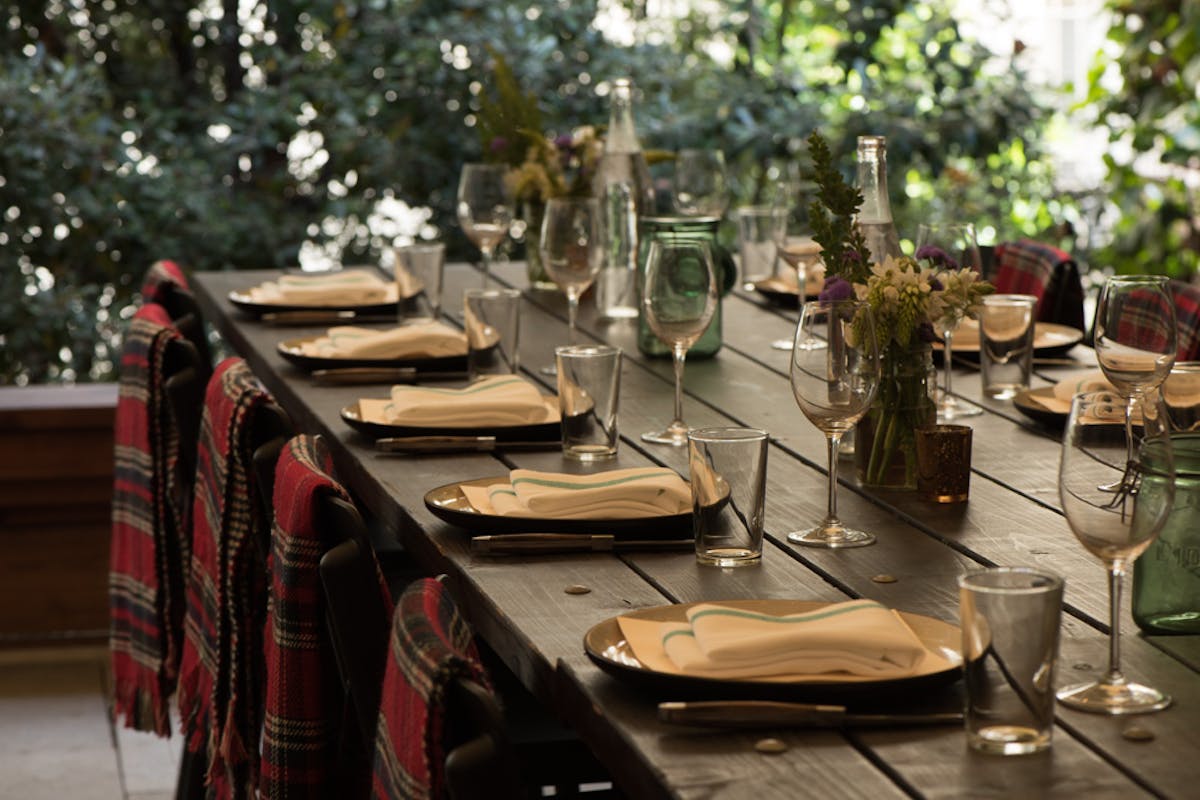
[[1187, 319], [1047, 273]]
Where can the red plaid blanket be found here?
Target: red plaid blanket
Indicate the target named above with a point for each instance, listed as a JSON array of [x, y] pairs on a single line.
[[160, 274], [302, 691], [220, 682], [1144, 320], [1047, 273], [430, 646], [1187, 318], [149, 536]]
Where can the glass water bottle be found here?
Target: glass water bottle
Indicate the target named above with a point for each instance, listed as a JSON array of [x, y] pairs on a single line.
[[875, 215]]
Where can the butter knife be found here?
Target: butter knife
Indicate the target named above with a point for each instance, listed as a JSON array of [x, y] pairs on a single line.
[[515, 543], [774, 714], [351, 376], [316, 317], [458, 444]]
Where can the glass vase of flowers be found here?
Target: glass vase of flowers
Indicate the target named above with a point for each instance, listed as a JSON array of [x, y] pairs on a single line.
[[906, 298], [542, 165]]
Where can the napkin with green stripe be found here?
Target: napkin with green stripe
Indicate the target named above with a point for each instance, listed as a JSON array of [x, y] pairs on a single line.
[[859, 637], [615, 494], [495, 400], [418, 340], [339, 288]]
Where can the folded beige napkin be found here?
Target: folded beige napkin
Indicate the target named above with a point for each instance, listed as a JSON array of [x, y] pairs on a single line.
[[616, 494], [496, 400], [856, 638], [1181, 389], [340, 288], [419, 340]]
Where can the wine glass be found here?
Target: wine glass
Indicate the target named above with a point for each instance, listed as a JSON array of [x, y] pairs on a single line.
[[802, 254], [701, 187], [1135, 337], [834, 387], [1116, 525], [950, 245], [572, 251], [485, 208], [679, 298]]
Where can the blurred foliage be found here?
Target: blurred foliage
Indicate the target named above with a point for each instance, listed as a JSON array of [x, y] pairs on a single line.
[[1153, 117], [235, 134]]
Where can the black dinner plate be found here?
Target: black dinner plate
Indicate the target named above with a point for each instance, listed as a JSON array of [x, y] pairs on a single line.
[[1026, 402], [450, 504], [606, 646], [241, 300], [290, 351], [539, 432]]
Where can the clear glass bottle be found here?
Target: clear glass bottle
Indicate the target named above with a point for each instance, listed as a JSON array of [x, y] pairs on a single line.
[[675, 227], [623, 186], [875, 215], [1166, 578]]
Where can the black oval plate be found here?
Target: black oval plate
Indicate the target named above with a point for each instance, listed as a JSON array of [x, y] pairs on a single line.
[[289, 349], [539, 432]]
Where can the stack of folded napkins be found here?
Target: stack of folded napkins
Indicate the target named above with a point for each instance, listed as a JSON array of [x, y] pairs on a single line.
[[858, 637], [616, 494], [419, 340], [346, 287], [495, 400]]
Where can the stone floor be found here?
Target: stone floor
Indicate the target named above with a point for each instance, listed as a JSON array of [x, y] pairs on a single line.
[[57, 739]]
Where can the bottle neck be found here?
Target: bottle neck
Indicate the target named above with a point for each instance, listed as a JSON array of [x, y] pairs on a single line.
[[872, 181], [622, 133]]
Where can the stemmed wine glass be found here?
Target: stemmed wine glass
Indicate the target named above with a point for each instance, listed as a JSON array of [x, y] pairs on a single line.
[[1135, 338], [700, 183], [572, 251], [679, 298], [1116, 525], [800, 253], [485, 208], [950, 245], [834, 388]]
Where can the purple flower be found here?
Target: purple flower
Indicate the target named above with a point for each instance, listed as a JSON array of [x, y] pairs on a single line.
[[938, 256], [563, 141], [498, 144], [836, 288], [935, 284]]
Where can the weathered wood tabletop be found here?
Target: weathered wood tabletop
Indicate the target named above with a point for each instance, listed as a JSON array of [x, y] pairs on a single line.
[[519, 605]]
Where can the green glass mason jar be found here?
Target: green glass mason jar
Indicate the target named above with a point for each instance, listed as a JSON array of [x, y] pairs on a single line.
[[1166, 577], [674, 228]]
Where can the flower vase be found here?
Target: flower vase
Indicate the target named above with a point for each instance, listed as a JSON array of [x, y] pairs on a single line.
[[532, 213], [885, 453]]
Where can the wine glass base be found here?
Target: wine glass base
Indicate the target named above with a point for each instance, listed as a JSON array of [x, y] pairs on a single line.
[[1114, 699], [949, 408], [549, 369], [831, 536], [674, 436], [782, 344]]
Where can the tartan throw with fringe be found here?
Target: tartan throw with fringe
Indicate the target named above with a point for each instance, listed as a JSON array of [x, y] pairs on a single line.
[[303, 693], [430, 645], [1143, 320], [149, 536], [1047, 273], [1187, 318], [161, 274], [220, 681]]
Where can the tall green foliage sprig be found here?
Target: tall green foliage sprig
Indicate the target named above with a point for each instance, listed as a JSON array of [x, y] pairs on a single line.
[[832, 215]]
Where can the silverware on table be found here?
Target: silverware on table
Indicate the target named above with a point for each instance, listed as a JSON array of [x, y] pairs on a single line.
[[514, 543], [771, 714], [320, 317], [458, 444], [351, 376]]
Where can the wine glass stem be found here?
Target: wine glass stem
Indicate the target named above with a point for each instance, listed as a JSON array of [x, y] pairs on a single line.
[[1129, 427], [1114, 676], [486, 263], [572, 311], [947, 337], [832, 440], [679, 353]]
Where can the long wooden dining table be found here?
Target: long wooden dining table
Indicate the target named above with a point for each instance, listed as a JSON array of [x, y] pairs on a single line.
[[521, 606]]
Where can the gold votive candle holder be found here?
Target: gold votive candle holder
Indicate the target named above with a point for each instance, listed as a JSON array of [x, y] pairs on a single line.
[[944, 463]]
